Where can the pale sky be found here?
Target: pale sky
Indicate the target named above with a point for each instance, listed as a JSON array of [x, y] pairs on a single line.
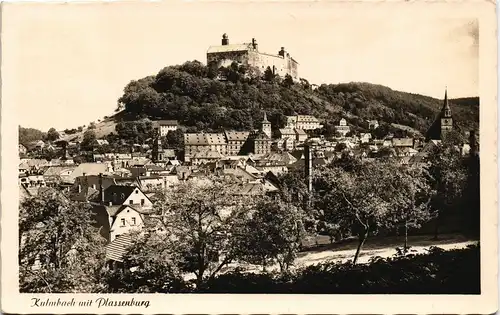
[[65, 65]]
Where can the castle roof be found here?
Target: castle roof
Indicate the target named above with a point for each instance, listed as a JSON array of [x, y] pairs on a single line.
[[229, 48]]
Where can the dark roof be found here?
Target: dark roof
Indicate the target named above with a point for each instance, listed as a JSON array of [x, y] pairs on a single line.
[[261, 136], [118, 247], [121, 193], [167, 122], [87, 193]]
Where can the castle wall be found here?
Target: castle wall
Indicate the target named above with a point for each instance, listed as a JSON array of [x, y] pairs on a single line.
[[283, 65], [225, 59], [259, 61]]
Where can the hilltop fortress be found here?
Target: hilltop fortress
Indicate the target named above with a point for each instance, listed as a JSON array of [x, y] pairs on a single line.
[[248, 54]]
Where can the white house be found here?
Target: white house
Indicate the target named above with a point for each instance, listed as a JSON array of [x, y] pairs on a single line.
[[167, 125]]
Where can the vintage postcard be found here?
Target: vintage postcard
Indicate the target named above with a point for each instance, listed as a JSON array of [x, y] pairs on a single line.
[[255, 157]]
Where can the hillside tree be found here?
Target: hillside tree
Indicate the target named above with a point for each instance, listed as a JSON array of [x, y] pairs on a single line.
[[52, 134], [88, 141]]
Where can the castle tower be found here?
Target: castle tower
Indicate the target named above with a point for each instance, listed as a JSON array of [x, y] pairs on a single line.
[[446, 119], [266, 126], [225, 39], [282, 52], [254, 44]]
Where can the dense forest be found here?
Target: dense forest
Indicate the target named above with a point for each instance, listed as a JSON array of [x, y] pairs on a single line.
[[195, 95]]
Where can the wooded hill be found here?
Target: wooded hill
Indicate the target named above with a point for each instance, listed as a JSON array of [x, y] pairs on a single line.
[[195, 95], [191, 94]]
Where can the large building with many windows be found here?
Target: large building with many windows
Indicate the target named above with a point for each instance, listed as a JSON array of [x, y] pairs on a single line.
[[248, 54]]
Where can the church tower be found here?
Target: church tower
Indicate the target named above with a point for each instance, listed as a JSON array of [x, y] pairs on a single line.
[[156, 152], [446, 119], [266, 126], [443, 122]]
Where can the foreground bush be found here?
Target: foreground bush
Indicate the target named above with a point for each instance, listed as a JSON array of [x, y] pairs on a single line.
[[436, 272]]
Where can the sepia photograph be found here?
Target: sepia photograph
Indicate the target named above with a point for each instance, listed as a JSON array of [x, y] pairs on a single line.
[[173, 148]]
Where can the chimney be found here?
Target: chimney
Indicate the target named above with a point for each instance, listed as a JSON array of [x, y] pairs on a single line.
[[101, 191]]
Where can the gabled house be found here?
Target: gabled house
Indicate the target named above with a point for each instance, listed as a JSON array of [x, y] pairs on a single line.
[[120, 209], [126, 195], [59, 174]]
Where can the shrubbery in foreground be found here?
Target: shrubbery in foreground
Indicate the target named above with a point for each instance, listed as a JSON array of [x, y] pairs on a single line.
[[436, 272]]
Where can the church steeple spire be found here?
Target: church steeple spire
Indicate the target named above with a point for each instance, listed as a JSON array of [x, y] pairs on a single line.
[[446, 111], [265, 118], [443, 122]]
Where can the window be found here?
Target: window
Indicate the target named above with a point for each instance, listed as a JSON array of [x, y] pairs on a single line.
[[123, 222], [142, 202], [131, 202], [133, 221], [136, 191]]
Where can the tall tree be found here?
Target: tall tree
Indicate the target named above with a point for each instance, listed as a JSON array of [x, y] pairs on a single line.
[[272, 234], [269, 75], [447, 177], [52, 135], [359, 199], [198, 220], [175, 139], [411, 200], [60, 250], [89, 138]]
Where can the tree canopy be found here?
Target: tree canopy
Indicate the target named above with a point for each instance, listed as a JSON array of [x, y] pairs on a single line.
[[192, 94], [60, 250]]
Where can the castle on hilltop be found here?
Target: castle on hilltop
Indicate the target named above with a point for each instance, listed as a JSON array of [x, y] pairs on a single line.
[[248, 54]]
